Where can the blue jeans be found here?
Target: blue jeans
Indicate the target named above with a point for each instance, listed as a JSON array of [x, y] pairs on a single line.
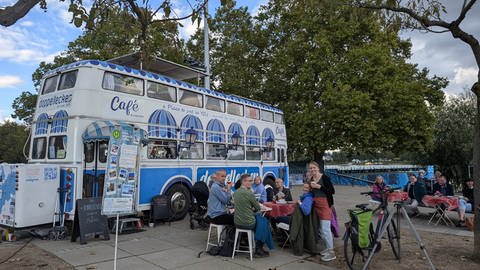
[[464, 205]]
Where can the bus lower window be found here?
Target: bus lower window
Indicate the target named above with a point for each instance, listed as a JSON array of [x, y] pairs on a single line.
[[89, 150], [216, 151], [68, 80], [50, 84], [102, 151], [253, 153], [195, 151], [57, 147], [123, 83], [215, 104], [190, 98], [160, 149], [284, 158], [237, 153], [161, 91], [39, 148], [268, 155]]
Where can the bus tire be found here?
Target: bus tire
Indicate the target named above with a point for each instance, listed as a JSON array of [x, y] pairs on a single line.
[[179, 200]]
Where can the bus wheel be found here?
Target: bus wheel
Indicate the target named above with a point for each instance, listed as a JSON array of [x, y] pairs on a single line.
[[180, 201]]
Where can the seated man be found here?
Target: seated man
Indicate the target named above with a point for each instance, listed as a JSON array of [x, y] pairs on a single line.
[[218, 199], [466, 202], [305, 202], [259, 189], [246, 215], [415, 191], [282, 192], [442, 188]]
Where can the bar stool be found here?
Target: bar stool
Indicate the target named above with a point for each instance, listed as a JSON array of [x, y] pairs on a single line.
[[250, 236], [219, 233]]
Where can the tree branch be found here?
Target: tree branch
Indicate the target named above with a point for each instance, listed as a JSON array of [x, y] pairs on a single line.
[[465, 9], [184, 17], [12, 14]]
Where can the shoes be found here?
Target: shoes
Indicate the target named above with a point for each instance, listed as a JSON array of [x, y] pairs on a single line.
[[324, 252], [461, 223], [260, 253], [266, 252], [330, 256]]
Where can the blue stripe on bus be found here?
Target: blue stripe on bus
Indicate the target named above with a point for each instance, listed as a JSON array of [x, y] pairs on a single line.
[[152, 181]]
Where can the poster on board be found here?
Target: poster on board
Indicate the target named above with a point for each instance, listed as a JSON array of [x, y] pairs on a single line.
[[122, 171]]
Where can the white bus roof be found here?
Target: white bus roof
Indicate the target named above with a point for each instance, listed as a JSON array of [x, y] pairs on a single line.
[[161, 78]]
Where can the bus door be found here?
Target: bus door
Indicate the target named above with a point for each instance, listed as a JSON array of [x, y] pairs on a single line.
[[95, 161]]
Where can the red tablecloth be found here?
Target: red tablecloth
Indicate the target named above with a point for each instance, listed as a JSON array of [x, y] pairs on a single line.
[[279, 210], [449, 201], [397, 196]]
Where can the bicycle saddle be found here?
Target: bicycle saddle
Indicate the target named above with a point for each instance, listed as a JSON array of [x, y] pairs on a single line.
[[362, 206]]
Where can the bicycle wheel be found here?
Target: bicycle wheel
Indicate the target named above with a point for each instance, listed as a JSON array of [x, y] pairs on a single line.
[[354, 256], [394, 238]]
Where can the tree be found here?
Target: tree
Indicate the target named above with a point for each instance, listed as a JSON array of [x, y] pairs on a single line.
[[24, 107], [427, 16], [342, 79], [13, 140], [453, 147]]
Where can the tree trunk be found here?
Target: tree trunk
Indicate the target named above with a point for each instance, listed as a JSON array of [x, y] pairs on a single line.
[[11, 14], [318, 157], [476, 175]]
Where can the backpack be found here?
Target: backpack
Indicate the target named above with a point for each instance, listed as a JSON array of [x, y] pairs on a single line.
[[361, 228], [200, 192], [226, 249]]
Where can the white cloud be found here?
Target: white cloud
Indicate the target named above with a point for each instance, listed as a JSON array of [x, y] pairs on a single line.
[[26, 23], [5, 116], [8, 81], [465, 76]]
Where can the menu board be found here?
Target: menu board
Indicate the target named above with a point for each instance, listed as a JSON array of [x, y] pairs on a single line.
[[122, 171]]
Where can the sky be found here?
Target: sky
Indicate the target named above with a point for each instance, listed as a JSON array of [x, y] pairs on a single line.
[[39, 36]]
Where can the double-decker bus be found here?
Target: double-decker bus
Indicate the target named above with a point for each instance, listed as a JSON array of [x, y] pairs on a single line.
[[79, 105]]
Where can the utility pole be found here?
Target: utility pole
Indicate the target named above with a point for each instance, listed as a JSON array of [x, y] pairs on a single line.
[[206, 53]]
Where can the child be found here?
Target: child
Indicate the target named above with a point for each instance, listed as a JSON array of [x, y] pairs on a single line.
[[378, 187]]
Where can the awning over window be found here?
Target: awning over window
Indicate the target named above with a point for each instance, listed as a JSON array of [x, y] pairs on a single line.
[[235, 127], [215, 131], [60, 122], [194, 122], [253, 136], [267, 133], [41, 127], [101, 130], [162, 125]]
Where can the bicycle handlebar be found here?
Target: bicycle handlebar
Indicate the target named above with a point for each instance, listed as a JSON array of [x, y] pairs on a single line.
[[368, 193]]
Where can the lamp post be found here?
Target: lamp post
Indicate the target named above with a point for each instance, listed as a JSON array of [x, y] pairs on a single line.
[[269, 143], [235, 139], [190, 136]]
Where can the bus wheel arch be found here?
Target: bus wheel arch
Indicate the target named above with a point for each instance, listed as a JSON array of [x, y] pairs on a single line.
[[269, 178], [179, 196]]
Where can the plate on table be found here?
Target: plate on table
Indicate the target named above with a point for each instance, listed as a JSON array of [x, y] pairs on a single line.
[[282, 201]]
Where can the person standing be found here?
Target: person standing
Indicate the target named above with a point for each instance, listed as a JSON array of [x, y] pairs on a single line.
[[218, 199], [323, 190], [259, 189]]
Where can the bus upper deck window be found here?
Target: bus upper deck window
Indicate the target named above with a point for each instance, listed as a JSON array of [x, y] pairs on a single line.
[[253, 113], [50, 84], [39, 148], [161, 91], [215, 104], [68, 80], [190, 98], [266, 116], [235, 108], [278, 118], [122, 83]]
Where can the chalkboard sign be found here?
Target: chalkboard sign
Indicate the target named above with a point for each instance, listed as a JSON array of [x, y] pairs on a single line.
[[160, 208], [89, 222]]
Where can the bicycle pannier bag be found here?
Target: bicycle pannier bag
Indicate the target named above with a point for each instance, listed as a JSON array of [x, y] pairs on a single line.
[[361, 227]]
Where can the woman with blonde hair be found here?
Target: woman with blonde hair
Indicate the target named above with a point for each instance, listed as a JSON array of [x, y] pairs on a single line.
[[323, 190]]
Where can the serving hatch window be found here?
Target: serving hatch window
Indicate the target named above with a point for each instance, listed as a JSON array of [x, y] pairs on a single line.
[[266, 116], [122, 83], [68, 80], [50, 84], [215, 104], [235, 108], [253, 113], [161, 91], [190, 98]]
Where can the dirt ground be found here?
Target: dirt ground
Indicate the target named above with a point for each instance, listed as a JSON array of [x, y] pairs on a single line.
[[27, 256]]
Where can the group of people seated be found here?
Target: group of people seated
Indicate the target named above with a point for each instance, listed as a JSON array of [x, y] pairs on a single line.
[[248, 194], [419, 186]]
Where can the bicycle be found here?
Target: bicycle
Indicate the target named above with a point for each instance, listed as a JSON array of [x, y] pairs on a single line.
[[359, 257]]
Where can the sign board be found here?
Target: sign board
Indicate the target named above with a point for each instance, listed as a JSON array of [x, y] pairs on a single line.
[[89, 221], [122, 171]]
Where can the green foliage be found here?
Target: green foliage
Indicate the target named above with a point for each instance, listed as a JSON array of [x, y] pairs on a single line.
[[13, 139], [453, 147], [24, 107]]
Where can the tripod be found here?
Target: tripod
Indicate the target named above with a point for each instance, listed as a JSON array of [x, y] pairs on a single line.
[[400, 209]]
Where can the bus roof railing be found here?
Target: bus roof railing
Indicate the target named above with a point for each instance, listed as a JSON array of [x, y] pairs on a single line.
[[160, 66]]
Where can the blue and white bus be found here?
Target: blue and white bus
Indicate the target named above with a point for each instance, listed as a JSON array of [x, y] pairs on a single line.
[[79, 105]]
